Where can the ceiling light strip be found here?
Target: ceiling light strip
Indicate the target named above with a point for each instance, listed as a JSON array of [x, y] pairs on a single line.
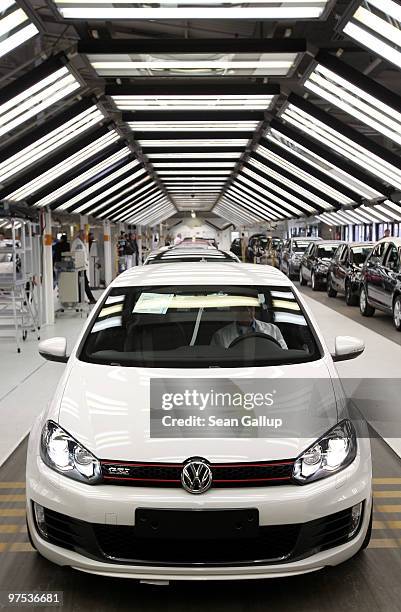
[[323, 164], [343, 145], [66, 165], [49, 143], [82, 178], [241, 194], [263, 196], [130, 199], [355, 101], [378, 29], [309, 179], [276, 189], [290, 184], [98, 185], [36, 98], [15, 27]]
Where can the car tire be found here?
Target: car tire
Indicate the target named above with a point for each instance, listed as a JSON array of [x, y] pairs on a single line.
[[350, 299], [366, 309], [302, 281], [314, 283], [397, 313], [330, 291]]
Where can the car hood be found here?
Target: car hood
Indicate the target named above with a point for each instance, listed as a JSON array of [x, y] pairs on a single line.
[[107, 409]]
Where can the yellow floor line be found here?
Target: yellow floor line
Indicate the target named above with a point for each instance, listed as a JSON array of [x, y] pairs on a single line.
[[12, 512], [386, 524], [382, 494], [12, 485], [12, 498], [388, 481], [3, 547], [21, 547], [388, 508], [10, 528], [385, 543]]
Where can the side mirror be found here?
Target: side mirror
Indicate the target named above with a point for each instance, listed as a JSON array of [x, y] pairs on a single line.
[[347, 347], [54, 349]]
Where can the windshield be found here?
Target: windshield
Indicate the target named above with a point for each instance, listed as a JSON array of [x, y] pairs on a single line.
[[198, 327], [359, 254], [327, 251], [300, 247]]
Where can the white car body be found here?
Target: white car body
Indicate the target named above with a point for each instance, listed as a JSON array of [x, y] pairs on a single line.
[[106, 408]]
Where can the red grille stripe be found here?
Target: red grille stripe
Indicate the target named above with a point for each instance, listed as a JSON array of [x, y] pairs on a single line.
[[179, 465], [214, 481], [141, 479]]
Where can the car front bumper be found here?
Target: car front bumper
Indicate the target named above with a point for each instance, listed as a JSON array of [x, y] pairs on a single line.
[[277, 505], [294, 265], [321, 275]]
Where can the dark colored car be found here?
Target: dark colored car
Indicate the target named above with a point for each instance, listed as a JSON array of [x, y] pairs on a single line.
[[344, 275], [236, 247], [291, 254], [381, 281], [315, 263]]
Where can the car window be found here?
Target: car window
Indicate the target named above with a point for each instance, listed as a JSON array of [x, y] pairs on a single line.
[[392, 259], [193, 326], [343, 254], [359, 254], [378, 252], [298, 246], [326, 251], [309, 249]]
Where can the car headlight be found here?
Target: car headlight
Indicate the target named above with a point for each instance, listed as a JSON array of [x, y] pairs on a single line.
[[65, 455], [330, 454]]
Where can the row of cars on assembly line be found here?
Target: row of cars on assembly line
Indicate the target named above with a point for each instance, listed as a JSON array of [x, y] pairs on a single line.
[[124, 480], [367, 274]]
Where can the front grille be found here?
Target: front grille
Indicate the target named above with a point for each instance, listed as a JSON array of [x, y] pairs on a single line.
[[224, 474], [273, 544]]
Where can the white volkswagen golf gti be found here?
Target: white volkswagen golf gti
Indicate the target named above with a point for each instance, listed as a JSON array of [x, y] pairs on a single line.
[[199, 432]]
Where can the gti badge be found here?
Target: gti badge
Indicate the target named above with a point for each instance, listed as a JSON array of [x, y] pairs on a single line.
[[196, 475], [119, 471]]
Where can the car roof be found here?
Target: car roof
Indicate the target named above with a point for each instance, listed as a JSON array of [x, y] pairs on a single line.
[[305, 239], [333, 242], [198, 273], [195, 253], [360, 244], [396, 241]]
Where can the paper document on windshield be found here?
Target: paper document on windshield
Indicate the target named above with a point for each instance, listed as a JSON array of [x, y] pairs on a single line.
[[153, 303]]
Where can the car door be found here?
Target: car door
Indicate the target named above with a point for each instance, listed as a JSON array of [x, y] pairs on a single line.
[[333, 269], [390, 275], [286, 255], [343, 268], [373, 275], [310, 256]]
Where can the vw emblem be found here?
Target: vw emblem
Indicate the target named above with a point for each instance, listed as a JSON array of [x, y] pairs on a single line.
[[196, 475]]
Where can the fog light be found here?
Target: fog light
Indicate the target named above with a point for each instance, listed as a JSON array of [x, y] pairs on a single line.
[[356, 516], [40, 519]]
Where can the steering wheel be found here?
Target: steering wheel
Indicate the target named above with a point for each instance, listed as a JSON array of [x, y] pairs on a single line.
[[254, 335]]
